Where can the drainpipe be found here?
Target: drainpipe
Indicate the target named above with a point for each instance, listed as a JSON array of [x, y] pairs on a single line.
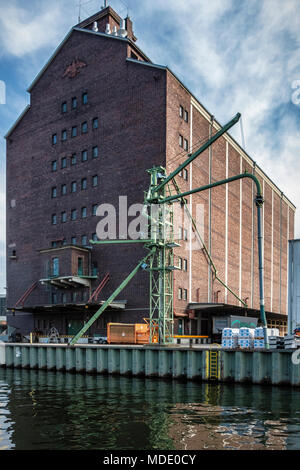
[[280, 254], [252, 249]]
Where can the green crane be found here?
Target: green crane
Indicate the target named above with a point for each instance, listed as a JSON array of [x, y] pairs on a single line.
[[158, 208]]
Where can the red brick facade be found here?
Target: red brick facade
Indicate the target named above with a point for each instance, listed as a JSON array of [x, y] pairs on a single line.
[[137, 105]]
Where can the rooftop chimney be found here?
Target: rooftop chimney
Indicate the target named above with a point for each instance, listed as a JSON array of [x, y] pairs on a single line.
[[122, 31], [118, 26]]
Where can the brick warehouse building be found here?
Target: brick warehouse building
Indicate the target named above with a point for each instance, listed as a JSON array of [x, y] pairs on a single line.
[[100, 115]]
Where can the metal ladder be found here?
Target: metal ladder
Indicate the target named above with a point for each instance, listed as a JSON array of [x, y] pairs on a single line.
[[213, 365]]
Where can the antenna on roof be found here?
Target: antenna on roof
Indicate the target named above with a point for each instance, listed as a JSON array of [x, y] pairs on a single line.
[[127, 7], [79, 11]]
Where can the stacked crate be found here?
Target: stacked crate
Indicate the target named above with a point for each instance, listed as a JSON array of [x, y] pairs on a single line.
[[230, 338], [291, 342], [246, 338], [276, 342], [259, 341]]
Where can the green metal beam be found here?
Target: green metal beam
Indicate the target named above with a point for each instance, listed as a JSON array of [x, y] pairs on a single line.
[[199, 151], [110, 300], [259, 202], [213, 185]]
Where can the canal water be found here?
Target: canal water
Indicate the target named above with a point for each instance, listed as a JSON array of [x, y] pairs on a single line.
[[55, 411]]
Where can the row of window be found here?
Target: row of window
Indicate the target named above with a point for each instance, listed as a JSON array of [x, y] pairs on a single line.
[[182, 294], [73, 296], [74, 158], [74, 102], [74, 187], [182, 234], [183, 113], [75, 131], [74, 215], [82, 241], [183, 143], [182, 264]]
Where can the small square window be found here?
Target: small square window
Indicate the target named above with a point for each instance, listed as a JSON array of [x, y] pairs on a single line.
[[64, 135], [63, 189], [64, 242], [83, 212], [54, 244], [54, 219], [94, 237], [54, 192], [73, 240], [74, 131], [54, 165], [74, 214], [83, 183], [95, 180], [84, 98], [84, 156], [64, 162], [64, 217], [54, 139], [73, 187], [95, 123], [64, 107], [180, 140], [94, 209], [84, 127], [95, 152], [73, 159], [74, 103]]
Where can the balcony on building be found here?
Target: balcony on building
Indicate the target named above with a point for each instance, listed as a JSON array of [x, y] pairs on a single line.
[[68, 266]]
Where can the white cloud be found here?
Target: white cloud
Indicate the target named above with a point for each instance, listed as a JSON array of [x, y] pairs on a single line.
[[238, 56], [25, 30]]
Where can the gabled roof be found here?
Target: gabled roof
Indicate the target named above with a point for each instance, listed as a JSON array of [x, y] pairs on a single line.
[[17, 121], [87, 31]]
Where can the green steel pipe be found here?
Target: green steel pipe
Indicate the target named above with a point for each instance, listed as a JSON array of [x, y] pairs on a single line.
[[258, 201], [110, 300], [206, 250], [208, 186], [198, 152]]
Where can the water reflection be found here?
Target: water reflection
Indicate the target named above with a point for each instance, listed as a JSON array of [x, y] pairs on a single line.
[[47, 410]]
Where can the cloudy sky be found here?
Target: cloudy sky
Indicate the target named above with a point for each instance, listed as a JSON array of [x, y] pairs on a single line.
[[233, 55]]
